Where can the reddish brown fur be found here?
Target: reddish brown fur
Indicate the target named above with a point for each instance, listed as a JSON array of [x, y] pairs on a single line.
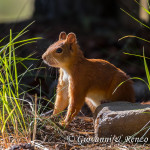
[[146, 103], [92, 79]]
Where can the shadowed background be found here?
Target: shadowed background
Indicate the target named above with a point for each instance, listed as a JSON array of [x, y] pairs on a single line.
[[97, 24]]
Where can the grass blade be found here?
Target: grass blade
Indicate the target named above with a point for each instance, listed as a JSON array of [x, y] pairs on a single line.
[[142, 6], [133, 78], [135, 19], [133, 36], [135, 55], [146, 70]]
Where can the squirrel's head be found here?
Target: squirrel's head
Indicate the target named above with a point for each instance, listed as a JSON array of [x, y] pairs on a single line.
[[62, 52]]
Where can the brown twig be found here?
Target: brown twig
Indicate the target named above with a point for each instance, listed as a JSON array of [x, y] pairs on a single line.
[[35, 122]]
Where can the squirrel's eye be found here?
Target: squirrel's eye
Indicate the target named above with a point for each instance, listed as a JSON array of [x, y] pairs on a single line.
[[59, 50]]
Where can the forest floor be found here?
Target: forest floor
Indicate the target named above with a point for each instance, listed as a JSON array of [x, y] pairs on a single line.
[[80, 135]]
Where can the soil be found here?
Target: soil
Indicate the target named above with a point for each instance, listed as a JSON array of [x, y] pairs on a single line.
[[80, 135]]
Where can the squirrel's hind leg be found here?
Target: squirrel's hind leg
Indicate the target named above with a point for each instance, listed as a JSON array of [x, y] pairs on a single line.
[[90, 105]]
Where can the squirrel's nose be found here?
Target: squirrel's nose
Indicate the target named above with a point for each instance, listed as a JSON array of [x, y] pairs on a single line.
[[43, 57]]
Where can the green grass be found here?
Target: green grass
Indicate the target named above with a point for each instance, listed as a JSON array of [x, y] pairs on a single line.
[[14, 122], [147, 72], [140, 38]]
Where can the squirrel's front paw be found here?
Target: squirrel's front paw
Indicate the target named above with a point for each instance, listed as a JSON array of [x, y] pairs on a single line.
[[64, 123]]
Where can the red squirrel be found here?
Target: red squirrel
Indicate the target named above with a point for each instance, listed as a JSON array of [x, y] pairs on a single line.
[[84, 80]]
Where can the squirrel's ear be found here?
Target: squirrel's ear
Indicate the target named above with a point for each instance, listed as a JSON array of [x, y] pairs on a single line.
[[62, 36], [71, 38]]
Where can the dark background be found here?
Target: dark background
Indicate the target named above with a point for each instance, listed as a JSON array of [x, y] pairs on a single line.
[[97, 24]]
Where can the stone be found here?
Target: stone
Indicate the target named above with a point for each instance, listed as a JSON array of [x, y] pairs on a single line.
[[122, 119]]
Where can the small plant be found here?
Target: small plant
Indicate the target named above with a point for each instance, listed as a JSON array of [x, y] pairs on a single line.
[[146, 128], [143, 56], [14, 123]]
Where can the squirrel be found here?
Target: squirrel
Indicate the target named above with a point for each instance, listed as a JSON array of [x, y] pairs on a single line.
[[84, 80]]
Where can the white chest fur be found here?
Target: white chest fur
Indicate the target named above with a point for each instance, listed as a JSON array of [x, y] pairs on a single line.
[[65, 76]]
